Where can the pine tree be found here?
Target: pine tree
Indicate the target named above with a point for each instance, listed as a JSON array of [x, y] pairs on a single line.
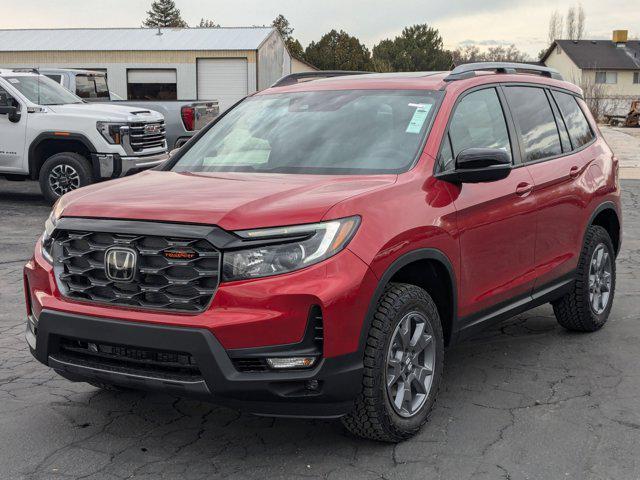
[[164, 13], [207, 23]]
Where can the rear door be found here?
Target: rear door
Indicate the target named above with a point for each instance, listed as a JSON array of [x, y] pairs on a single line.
[[557, 167], [496, 220]]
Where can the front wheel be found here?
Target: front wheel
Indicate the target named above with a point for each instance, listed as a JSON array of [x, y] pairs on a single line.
[[62, 173], [403, 362], [587, 306]]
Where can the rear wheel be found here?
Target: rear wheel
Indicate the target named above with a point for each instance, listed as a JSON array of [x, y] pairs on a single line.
[[587, 306], [62, 173], [403, 364]]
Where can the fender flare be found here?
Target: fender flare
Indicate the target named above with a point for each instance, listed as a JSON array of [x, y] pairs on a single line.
[[76, 137], [399, 263], [607, 205]]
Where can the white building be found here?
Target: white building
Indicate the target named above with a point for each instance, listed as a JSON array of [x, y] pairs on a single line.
[[223, 64]]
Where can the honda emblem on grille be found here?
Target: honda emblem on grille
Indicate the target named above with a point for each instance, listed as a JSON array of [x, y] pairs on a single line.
[[120, 264]]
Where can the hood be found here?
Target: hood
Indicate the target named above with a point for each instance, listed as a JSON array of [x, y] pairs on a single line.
[[233, 201], [108, 113]]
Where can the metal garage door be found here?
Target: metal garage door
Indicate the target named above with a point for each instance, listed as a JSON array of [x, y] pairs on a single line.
[[222, 79]]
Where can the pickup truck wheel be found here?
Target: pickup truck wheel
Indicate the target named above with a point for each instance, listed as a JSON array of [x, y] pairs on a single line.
[[403, 362], [62, 173], [586, 307]]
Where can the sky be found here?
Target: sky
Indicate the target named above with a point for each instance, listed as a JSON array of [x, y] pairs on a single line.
[[482, 22]]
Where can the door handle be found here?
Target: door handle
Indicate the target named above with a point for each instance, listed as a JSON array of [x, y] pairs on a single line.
[[574, 172], [523, 189]]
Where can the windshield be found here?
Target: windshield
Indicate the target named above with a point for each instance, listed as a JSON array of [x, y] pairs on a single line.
[[325, 132], [42, 90]]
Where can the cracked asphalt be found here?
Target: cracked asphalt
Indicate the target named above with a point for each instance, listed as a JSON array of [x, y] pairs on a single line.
[[526, 400]]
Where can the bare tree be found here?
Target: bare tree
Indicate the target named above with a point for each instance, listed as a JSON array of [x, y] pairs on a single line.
[[575, 22], [471, 53], [556, 26], [580, 22]]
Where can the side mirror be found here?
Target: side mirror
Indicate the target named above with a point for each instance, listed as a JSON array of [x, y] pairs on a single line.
[[12, 112], [476, 165]]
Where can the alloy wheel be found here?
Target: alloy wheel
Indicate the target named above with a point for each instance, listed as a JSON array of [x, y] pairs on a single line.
[[600, 272], [411, 359], [63, 178]]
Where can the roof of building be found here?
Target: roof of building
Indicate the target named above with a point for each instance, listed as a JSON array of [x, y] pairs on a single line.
[[128, 39], [600, 54]]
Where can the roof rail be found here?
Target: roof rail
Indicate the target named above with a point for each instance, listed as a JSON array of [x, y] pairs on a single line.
[[294, 78], [25, 70], [468, 70]]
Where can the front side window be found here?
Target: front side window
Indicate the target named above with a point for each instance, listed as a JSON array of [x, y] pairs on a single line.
[[41, 90], [534, 117], [320, 132], [477, 122], [606, 77], [579, 129], [55, 78]]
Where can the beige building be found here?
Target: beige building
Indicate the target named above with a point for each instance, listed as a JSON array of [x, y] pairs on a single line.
[[607, 68], [300, 66], [223, 64]]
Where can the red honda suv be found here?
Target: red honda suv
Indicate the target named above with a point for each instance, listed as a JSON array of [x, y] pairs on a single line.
[[314, 251]]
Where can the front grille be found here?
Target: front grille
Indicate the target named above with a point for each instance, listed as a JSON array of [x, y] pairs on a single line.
[[141, 139], [184, 283], [128, 359]]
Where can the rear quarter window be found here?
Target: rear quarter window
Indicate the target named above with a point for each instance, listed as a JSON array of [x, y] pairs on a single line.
[[579, 129]]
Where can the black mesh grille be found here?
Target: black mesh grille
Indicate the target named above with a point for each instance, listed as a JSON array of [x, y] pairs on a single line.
[[128, 359], [172, 273]]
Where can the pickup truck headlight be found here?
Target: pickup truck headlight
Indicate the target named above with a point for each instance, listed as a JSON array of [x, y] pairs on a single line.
[[289, 248], [49, 226], [112, 132]]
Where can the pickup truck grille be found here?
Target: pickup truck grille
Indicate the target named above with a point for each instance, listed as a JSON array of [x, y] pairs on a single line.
[[174, 274], [143, 136]]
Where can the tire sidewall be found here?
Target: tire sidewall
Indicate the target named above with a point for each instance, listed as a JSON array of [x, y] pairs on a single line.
[[402, 424], [600, 237], [74, 160]]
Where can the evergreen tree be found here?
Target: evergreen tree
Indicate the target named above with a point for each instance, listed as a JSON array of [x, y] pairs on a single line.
[[338, 51], [207, 23], [164, 13], [283, 26]]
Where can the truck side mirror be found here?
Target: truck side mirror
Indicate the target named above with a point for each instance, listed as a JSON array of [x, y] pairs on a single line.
[[12, 111]]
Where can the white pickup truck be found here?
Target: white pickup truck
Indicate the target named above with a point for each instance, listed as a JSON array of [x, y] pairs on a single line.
[[49, 134]]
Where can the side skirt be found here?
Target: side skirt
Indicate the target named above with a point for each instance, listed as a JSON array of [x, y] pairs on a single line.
[[477, 322]]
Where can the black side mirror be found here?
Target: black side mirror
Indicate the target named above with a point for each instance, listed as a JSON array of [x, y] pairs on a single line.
[[476, 165], [12, 112]]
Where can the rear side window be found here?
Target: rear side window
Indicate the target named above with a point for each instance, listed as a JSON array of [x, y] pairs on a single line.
[[576, 122], [534, 117], [477, 122]]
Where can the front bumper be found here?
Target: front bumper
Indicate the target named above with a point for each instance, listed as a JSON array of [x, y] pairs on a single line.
[[113, 165], [272, 393]]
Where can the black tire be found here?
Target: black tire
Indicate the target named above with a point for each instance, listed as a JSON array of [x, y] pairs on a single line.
[[574, 310], [373, 416], [75, 163]]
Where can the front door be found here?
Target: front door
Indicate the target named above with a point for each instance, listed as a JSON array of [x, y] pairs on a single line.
[[12, 136], [496, 220]]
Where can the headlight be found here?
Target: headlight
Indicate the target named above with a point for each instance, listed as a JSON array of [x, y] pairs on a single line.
[[49, 227], [291, 248], [112, 132]]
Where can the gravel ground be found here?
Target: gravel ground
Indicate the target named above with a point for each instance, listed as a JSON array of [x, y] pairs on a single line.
[[527, 400]]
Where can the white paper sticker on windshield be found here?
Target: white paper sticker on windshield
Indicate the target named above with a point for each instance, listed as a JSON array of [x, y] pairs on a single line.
[[419, 117]]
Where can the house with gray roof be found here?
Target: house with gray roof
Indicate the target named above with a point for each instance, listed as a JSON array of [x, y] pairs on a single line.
[[608, 68]]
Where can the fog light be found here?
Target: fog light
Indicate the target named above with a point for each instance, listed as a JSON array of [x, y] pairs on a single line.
[[291, 362]]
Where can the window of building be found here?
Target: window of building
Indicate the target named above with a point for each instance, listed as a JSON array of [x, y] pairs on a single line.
[[534, 117], [478, 122], [152, 84], [607, 77], [579, 129], [636, 77]]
